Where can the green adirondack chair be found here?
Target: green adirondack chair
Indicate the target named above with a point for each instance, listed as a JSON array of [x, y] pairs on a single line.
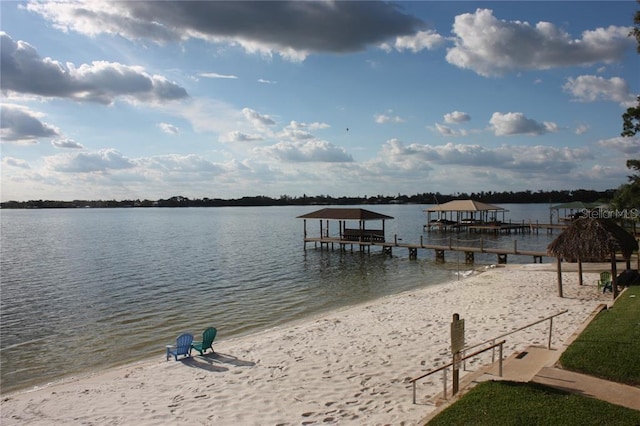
[[604, 282], [208, 337]]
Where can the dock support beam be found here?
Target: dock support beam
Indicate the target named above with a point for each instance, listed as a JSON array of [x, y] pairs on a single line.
[[413, 253], [468, 257]]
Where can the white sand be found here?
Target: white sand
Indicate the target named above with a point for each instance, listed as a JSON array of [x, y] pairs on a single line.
[[347, 367]]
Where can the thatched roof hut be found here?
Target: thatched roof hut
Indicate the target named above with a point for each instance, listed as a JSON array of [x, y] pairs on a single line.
[[593, 239]]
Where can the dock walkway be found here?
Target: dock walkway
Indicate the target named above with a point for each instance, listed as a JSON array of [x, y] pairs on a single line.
[[387, 247], [495, 228]]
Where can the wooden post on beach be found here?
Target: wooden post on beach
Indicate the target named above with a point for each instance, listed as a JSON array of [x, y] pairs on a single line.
[[559, 269], [457, 345]]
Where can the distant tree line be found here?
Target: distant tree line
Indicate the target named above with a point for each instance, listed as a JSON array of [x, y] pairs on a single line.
[[553, 197]]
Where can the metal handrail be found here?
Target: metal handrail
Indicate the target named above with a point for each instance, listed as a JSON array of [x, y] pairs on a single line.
[[550, 318], [444, 367]]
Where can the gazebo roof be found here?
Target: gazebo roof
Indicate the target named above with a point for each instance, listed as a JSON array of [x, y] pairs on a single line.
[[345, 214], [593, 238], [465, 206]]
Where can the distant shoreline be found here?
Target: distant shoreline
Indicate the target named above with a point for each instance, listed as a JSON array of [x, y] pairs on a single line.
[[521, 197]]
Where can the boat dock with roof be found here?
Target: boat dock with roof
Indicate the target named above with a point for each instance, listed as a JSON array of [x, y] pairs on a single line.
[[472, 216], [364, 238]]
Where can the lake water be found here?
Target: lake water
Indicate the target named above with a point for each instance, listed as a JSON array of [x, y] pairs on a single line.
[[88, 289]]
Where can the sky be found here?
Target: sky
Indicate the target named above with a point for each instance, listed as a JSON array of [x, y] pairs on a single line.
[[150, 100]]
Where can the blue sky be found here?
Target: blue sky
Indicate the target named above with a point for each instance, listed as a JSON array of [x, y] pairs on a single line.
[[135, 100]]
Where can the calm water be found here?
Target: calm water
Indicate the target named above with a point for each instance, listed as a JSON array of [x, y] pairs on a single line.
[[87, 289]]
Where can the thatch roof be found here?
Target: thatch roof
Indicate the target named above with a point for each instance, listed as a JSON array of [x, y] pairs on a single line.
[[345, 214], [465, 206], [592, 238]]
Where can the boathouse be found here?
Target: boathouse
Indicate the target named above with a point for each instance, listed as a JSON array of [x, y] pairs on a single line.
[[459, 214], [350, 224], [568, 212]]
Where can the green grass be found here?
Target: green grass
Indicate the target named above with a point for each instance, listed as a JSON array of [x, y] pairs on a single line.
[[510, 403], [609, 347]]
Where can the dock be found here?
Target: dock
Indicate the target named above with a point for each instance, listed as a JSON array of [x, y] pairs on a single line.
[[363, 237], [478, 217], [495, 228], [387, 247]]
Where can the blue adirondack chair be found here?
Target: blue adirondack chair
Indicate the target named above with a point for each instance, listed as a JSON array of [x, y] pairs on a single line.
[[208, 337], [182, 346]]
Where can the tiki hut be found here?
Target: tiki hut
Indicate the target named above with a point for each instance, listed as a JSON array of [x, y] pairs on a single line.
[[595, 240]]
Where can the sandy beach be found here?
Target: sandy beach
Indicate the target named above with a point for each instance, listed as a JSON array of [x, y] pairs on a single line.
[[350, 366]]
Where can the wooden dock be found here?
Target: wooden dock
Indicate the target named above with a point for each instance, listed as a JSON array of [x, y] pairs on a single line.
[[363, 237], [440, 250], [496, 228]]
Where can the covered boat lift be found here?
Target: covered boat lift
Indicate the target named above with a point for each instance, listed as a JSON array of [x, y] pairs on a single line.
[[568, 212], [463, 213], [344, 217]]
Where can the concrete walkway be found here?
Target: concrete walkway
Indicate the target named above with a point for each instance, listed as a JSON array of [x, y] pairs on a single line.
[[538, 365], [615, 393]]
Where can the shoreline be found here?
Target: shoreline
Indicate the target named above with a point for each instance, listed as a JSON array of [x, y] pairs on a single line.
[[349, 365], [79, 375]]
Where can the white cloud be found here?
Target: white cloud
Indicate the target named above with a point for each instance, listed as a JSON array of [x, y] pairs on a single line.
[[258, 27], [515, 123], [309, 151], [448, 131], [237, 136], [456, 117], [591, 88], [419, 41], [21, 124], [102, 161], [492, 47], [517, 160], [24, 71], [311, 126], [264, 81], [179, 164], [257, 119], [15, 162], [581, 129], [444, 154], [294, 134], [169, 129], [629, 146], [206, 115], [66, 144], [388, 118], [216, 75]]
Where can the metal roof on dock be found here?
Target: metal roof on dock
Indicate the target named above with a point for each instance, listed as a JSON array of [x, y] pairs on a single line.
[[345, 214], [465, 206]]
